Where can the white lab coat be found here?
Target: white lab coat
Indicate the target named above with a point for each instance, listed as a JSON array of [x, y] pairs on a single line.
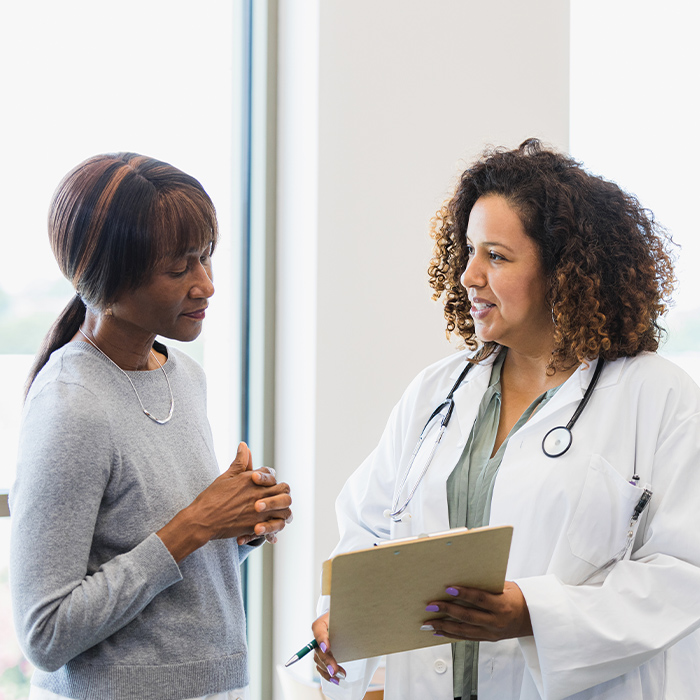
[[627, 634]]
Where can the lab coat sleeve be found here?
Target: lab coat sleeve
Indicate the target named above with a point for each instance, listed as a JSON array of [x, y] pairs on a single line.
[[588, 634]]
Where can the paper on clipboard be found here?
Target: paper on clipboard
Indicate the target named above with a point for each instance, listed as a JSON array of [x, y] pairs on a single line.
[[378, 595]]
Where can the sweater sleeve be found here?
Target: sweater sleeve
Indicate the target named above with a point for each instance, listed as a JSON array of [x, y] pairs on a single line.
[[62, 604]]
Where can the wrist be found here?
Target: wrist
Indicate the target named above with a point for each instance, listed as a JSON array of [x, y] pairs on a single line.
[[183, 535]]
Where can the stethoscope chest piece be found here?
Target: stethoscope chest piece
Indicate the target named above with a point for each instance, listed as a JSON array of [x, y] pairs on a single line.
[[557, 441]]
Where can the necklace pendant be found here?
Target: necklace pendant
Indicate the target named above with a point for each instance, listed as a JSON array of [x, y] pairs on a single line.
[[160, 421]]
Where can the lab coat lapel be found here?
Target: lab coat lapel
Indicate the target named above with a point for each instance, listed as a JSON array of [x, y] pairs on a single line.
[[468, 396], [573, 391], [431, 512]]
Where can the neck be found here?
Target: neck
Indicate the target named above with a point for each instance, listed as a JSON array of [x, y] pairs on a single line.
[[528, 372], [127, 350]]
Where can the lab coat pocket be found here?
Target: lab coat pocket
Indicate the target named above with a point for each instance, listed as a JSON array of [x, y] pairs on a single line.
[[599, 526]]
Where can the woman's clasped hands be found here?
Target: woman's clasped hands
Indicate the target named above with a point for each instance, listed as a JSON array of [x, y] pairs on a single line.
[[243, 502]]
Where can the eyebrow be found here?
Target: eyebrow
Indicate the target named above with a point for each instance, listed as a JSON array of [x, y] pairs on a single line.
[[495, 243]]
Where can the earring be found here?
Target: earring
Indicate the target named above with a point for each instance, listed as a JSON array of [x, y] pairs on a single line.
[[108, 311]]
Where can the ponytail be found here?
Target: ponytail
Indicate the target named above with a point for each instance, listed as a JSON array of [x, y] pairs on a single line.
[[60, 333]]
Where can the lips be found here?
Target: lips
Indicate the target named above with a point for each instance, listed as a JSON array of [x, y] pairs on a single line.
[[480, 308], [197, 315]]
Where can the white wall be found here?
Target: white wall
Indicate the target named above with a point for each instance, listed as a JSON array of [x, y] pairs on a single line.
[[381, 105]]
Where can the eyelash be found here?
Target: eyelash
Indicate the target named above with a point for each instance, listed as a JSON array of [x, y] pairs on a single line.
[[492, 255], [202, 259]]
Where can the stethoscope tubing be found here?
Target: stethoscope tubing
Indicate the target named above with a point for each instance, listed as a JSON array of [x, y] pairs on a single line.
[[396, 512], [557, 441], [560, 447]]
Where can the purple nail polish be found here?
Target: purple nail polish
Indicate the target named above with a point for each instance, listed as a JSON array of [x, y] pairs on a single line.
[[431, 608], [451, 591], [323, 647], [335, 680], [438, 634], [330, 670]]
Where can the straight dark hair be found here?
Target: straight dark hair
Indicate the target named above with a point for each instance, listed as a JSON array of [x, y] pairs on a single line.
[[113, 219]]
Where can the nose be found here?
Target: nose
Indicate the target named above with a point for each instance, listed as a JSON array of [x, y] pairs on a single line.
[[203, 286], [473, 275]]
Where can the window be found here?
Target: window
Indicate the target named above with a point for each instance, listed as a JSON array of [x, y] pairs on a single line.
[[164, 78], [634, 68]]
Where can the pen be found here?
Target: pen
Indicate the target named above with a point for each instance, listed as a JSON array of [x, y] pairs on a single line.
[[313, 644]]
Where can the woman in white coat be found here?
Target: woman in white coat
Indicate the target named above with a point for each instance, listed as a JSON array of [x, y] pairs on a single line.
[[556, 280]]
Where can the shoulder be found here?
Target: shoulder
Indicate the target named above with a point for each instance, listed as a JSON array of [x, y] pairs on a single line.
[[66, 411], [653, 370], [435, 381], [185, 365], [67, 398], [71, 373], [658, 386]]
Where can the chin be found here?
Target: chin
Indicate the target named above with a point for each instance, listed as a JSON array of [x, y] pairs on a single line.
[[485, 337], [183, 337]]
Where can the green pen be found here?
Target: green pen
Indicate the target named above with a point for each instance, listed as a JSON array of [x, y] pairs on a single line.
[[313, 644]]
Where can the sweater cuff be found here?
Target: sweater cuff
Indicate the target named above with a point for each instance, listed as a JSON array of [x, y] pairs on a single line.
[[156, 564]]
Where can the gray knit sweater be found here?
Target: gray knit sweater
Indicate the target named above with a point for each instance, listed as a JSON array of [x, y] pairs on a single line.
[[101, 607]]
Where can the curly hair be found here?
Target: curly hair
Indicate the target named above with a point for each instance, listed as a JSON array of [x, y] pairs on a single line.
[[608, 263]]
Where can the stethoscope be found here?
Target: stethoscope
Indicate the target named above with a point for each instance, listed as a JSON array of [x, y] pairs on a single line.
[[554, 444]]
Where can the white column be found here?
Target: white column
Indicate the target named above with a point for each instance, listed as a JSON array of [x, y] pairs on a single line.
[[380, 106]]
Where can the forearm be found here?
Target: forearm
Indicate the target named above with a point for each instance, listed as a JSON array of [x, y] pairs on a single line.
[[55, 626], [630, 607]]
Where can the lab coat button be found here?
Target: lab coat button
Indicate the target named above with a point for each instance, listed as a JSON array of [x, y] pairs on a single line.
[[440, 666]]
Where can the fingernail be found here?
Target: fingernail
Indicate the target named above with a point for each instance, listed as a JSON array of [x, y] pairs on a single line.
[[261, 506], [438, 634], [340, 675], [330, 670], [323, 647], [451, 591], [427, 628], [335, 680], [431, 608]]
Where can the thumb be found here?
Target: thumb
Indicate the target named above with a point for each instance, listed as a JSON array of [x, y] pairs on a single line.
[[242, 460]]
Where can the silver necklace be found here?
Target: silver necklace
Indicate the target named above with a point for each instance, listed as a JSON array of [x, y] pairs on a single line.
[[162, 369]]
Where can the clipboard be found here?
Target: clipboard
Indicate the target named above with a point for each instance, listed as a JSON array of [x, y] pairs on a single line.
[[378, 595]]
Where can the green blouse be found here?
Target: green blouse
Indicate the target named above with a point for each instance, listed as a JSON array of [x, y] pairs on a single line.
[[469, 492]]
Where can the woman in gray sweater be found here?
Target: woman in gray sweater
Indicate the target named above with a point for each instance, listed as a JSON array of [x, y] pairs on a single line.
[[126, 539]]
